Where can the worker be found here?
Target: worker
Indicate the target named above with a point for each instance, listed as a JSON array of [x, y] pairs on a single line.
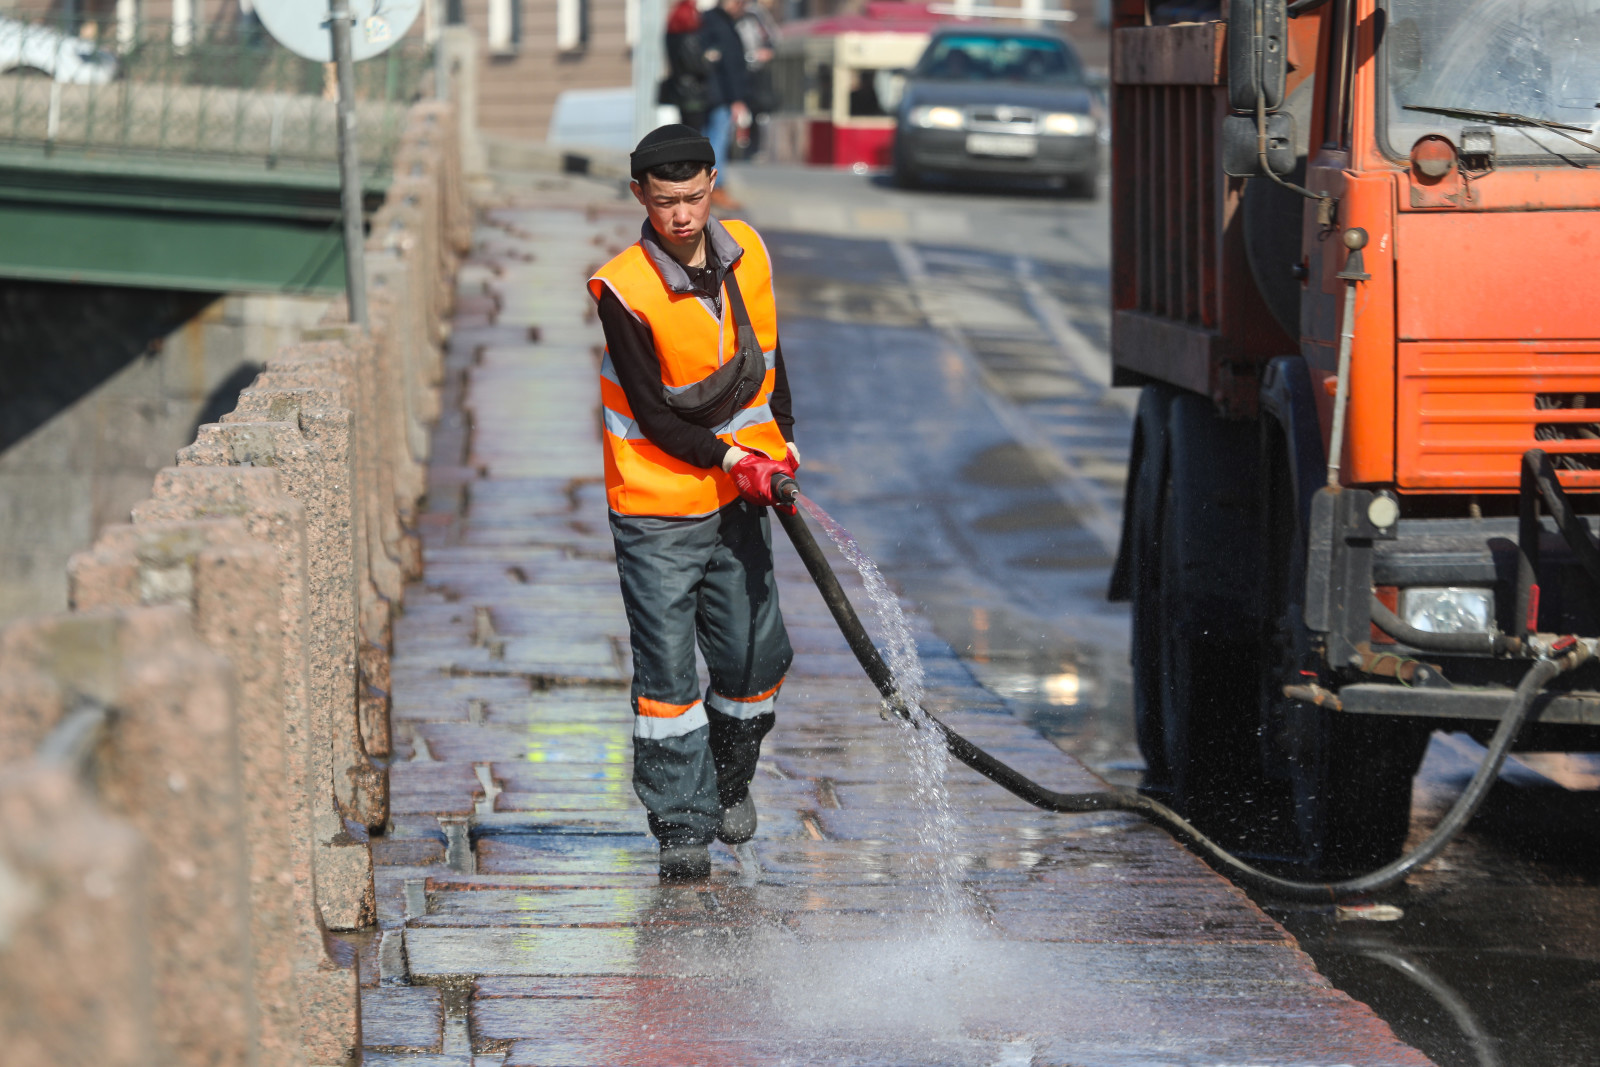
[[697, 423]]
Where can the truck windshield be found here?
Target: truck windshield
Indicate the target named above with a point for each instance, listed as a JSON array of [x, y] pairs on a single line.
[[1539, 58]]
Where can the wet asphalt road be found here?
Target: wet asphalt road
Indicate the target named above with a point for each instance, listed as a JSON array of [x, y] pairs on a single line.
[[994, 508]]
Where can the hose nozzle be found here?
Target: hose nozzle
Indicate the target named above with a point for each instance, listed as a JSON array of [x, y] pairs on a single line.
[[784, 488]]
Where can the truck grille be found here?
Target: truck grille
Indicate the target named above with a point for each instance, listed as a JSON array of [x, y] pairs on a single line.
[[1468, 411]]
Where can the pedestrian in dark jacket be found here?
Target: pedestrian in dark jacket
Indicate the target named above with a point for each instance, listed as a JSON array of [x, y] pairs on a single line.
[[759, 30], [730, 75], [688, 74]]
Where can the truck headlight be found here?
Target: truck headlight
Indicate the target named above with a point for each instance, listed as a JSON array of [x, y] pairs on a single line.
[[1450, 609], [942, 118], [1069, 123]]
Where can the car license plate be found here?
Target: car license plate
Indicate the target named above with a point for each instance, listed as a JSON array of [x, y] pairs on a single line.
[[1001, 144]]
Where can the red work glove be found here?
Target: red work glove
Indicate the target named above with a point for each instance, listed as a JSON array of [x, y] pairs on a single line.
[[752, 476], [790, 463]]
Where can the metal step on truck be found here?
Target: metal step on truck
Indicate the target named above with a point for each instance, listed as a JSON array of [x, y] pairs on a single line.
[[1356, 270]]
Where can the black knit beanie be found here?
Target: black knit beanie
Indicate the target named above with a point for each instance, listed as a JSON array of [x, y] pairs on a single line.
[[671, 144]]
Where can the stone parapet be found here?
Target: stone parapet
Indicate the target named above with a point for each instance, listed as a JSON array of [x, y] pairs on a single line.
[[191, 759], [168, 764]]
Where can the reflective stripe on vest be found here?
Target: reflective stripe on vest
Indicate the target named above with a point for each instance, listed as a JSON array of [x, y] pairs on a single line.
[[690, 344]]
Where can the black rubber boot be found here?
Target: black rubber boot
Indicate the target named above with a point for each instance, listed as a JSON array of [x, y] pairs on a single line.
[[685, 863], [735, 747], [738, 822]]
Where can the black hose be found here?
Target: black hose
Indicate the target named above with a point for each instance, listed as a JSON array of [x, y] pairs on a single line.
[[1574, 531], [1123, 799], [1484, 644]]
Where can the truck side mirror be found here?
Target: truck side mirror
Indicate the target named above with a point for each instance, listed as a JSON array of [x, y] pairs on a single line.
[[1258, 56], [1240, 157]]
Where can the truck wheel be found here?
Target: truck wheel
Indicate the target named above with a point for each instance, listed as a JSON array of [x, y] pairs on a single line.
[[1348, 777], [1360, 811], [1206, 573], [1146, 486]]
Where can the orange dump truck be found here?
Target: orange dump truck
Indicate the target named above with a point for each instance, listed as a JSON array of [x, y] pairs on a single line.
[[1356, 271]]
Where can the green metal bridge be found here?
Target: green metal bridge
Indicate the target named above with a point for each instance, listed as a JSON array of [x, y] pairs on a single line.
[[209, 165]]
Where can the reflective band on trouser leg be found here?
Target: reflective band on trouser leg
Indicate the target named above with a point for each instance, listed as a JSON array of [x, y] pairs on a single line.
[[674, 771], [657, 720], [744, 707], [676, 781]]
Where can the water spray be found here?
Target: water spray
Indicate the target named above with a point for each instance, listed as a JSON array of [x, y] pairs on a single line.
[[1564, 656]]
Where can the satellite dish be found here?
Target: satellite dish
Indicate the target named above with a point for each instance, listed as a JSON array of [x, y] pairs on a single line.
[[301, 26]]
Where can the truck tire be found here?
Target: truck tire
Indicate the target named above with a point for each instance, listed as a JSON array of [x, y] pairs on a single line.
[[1347, 777], [1139, 568], [1216, 568], [1206, 594]]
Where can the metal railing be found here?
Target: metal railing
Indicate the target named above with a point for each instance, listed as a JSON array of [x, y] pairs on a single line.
[[180, 94]]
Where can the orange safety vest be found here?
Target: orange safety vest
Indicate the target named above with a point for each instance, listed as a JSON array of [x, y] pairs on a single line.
[[691, 342]]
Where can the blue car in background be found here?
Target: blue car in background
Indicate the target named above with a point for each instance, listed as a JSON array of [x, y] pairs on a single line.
[[998, 102]]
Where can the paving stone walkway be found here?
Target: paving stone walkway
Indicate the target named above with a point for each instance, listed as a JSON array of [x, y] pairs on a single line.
[[521, 918]]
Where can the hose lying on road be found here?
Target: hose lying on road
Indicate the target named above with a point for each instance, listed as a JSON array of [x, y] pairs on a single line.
[[1123, 799]]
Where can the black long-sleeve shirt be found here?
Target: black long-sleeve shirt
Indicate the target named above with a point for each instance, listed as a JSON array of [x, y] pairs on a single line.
[[633, 356]]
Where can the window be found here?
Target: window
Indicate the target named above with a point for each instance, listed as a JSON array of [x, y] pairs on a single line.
[[1336, 106], [505, 27], [1539, 58], [572, 25], [993, 57]]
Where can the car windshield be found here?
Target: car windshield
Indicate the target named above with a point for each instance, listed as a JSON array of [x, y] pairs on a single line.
[[988, 57], [1537, 58]]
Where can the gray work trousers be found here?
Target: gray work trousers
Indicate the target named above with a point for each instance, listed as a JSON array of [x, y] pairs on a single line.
[[709, 582]]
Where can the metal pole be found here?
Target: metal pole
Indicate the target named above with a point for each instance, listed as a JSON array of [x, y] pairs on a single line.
[[647, 49], [355, 262], [1341, 396], [1355, 270], [441, 70]]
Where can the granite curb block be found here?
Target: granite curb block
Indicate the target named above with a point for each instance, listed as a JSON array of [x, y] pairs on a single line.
[[170, 767], [232, 582], [335, 858], [192, 759], [89, 871]]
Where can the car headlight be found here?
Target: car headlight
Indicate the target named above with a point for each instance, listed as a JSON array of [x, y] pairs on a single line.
[[942, 118], [1070, 123], [1448, 609]]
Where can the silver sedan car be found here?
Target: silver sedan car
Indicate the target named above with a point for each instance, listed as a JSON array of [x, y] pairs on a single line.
[[999, 102]]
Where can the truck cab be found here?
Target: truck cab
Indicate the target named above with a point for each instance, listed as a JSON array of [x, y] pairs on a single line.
[[1355, 245]]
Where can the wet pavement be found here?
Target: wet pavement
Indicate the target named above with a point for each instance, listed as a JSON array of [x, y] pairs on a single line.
[[950, 376], [521, 920], [1492, 958]]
